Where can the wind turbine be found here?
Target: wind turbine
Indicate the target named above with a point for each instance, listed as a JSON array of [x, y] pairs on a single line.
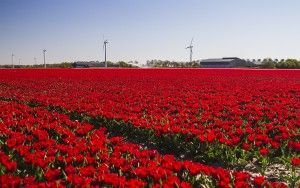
[[12, 60], [191, 49], [104, 48], [44, 52]]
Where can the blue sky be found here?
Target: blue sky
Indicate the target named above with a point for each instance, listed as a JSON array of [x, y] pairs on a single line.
[[142, 30]]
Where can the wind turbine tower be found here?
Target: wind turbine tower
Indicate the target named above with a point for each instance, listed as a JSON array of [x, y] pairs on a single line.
[[191, 50], [12, 60], [44, 52], [104, 47]]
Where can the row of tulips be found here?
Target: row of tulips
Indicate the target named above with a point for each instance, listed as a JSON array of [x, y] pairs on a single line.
[[234, 116], [42, 148]]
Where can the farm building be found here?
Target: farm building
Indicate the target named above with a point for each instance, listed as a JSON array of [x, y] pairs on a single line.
[[226, 62]]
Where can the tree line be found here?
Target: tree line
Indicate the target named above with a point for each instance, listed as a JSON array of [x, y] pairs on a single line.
[[282, 64], [129, 64], [172, 64], [266, 63]]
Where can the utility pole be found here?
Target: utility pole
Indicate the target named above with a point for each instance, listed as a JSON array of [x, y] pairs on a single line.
[[12, 60], [34, 61], [44, 52], [19, 61]]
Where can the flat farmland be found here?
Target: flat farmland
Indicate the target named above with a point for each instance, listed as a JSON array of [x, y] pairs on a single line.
[[149, 127]]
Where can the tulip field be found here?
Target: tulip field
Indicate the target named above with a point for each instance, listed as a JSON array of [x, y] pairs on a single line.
[[149, 128]]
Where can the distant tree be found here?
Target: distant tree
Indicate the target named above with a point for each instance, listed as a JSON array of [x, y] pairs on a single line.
[[288, 64], [268, 63], [291, 63]]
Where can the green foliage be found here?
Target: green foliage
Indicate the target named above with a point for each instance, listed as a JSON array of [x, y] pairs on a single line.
[[289, 64], [172, 64], [282, 64], [130, 64], [268, 63], [123, 64]]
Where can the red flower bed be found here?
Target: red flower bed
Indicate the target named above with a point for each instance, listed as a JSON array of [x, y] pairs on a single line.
[[48, 149], [236, 115]]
